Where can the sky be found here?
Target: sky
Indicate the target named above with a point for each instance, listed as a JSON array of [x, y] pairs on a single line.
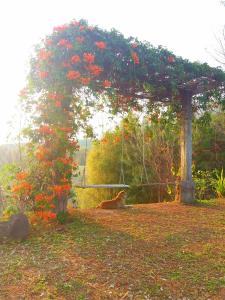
[[187, 27]]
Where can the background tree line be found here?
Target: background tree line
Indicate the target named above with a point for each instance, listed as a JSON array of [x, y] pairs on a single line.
[[151, 155]]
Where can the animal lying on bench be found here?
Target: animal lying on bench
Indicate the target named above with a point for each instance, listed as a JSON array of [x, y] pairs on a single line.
[[117, 202]]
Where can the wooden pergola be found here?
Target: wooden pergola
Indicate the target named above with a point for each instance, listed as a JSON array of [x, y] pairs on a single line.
[[135, 70]]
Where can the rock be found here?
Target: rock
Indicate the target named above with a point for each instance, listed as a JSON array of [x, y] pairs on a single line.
[[17, 227]]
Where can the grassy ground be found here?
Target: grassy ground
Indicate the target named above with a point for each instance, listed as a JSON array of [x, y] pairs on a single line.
[[154, 251]]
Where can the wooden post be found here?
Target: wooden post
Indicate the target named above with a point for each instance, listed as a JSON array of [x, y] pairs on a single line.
[[186, 193]]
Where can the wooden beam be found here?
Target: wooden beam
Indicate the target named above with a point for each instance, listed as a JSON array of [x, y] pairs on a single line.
[[186, 193]]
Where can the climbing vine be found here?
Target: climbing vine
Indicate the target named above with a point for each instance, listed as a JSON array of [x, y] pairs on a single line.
[[78, 62]]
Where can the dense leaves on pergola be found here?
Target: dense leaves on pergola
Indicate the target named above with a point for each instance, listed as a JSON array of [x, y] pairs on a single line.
[[77, 55], [77, 60]]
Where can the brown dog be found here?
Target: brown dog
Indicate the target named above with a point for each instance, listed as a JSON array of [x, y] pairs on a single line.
[[117, 202]]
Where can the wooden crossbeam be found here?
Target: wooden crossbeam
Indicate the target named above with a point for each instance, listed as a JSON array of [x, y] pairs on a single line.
[[101, 186]]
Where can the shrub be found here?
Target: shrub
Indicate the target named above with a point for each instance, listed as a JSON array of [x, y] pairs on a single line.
[[219, 184]]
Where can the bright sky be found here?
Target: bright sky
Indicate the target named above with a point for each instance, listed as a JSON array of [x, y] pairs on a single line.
[[187, 27]]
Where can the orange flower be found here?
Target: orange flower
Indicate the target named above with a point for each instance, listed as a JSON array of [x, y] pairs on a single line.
[[24, 187], [60, 28], [95, 70], [74, 165], [49, 198], [89, 58], [85, 80], [39, 197], [75, 23], [45, 129], [43, 74], [104, 141], [71, 75], [82, 27], [69, 46], [80, 39], [44, 54], [46, 215], [65, 160], [171, 59], [58, 103], [48, 42], [117, 139], [107, 83], [91, 28], [21, 176], [67, 129], [41, 152], [65, 43], [135, 58], [66, 64], [60, 189], [75, 59], [74, 143], [100, 45], [134, 45], [55, 96]]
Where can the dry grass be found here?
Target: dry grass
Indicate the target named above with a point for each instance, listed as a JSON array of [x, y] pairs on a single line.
[[152, 251]]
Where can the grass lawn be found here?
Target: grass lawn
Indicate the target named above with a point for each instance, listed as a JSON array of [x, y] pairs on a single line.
[[151, 251]]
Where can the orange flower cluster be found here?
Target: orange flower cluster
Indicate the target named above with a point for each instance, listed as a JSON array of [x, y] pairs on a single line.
[[100, 45], [171, 59], [65, 160], [85, 80], [43, 74], [21, 175], [42, 197], [60, 28], [71, 75], [104, 141], [65, 43], [75, 59], [48, 42], [58, 103], [55, 96], [95, 70], [74, 143], [46, 215], [66, 129], [107, 83], [75, 23], [61, 189], [134, 45], [82, 28], [117, 139], [135, 58], [80, 39], [42, 152], [44, 54], [45, 129], [89, 58], [23, 187]]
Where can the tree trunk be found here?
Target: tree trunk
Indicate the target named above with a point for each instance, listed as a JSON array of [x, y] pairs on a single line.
[[186, 191], [61, 204]]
